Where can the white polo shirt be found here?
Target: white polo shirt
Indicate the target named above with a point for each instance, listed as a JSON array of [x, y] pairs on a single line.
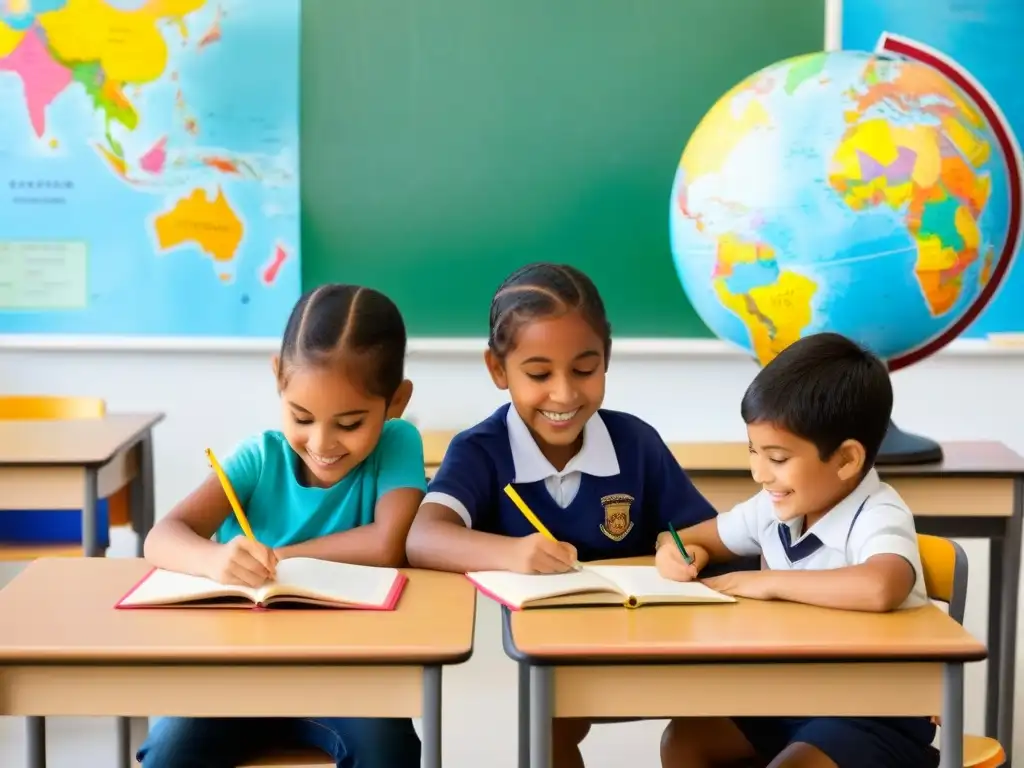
[[596, 457], [872, 520]]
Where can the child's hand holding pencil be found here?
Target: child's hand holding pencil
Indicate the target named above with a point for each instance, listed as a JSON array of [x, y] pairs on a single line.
[[678, 562], [538, 553], [243, 560]]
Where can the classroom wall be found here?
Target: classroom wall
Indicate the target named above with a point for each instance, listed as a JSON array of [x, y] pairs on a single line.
[[214, 399]]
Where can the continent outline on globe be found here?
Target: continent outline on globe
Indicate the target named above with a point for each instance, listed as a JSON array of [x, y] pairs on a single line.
[[748, 276]]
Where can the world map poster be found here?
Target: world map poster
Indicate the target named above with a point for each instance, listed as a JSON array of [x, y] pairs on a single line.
[[149, 164]]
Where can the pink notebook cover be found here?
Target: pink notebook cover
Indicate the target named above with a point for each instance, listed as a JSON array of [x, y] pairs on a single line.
[[389, 605], [491, 595]]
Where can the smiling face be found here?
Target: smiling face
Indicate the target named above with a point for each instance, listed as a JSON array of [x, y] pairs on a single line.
[[799, 482], [331, 424], [555, 375]]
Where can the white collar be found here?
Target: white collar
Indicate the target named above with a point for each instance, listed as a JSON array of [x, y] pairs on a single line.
[[834, 526], [596, 457]]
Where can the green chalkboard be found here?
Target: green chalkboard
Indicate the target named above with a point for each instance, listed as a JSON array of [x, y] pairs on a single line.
[[446, 142]]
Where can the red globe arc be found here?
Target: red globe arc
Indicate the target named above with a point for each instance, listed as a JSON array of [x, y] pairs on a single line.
[[1010, 150]]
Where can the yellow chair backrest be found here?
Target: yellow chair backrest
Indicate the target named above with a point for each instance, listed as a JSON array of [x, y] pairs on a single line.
[[945, 579], [945, 572], [938, 559], [46, 407]]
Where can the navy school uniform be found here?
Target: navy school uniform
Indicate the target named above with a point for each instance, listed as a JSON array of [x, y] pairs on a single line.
[[611, 500]]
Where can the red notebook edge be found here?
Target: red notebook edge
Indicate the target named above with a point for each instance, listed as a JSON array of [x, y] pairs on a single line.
[[491, 595], [120, 603], [389, 604]]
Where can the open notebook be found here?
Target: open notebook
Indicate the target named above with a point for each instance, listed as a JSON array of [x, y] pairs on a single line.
[[629, 585], [300, 580]]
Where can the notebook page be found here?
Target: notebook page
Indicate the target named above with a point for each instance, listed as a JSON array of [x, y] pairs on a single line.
[[519, 588], [338, 582], [644, 581], [168, 587]]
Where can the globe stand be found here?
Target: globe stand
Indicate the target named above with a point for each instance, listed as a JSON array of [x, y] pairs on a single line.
[[899, 447]]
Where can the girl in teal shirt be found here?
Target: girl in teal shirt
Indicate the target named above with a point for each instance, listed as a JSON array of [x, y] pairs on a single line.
[[340, 481]]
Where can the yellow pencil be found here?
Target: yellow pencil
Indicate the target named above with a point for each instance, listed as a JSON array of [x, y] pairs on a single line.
[[230, 493], [534, 521]]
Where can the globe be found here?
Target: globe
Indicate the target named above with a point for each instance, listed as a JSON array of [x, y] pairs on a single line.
[[845, 191]]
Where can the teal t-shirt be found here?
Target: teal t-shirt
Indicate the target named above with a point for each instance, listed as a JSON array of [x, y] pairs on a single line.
[[283, 511]]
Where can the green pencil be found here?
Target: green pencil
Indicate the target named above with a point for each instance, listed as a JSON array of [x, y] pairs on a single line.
[[679, 545]]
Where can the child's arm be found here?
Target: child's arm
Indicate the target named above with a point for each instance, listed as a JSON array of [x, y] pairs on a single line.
[[678, 501], [400, 484], [445, 535], [440, 540], [881, 584], [702, 536], [181, 541], [381, 542], [727, 536], [882, 544]]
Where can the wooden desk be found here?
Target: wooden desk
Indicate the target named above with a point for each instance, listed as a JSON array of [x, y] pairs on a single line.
[[65, 650], [435, 444], [721, 660], [976, 492], [71, 465]]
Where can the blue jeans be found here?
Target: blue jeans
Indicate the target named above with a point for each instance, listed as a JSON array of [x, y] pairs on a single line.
[[221, 742]]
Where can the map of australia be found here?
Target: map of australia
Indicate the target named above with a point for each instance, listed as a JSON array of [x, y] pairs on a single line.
[[148, 167]]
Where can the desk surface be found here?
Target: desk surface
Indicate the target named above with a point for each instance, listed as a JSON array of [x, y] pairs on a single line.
[[61, 611], [745, 631], [72, 442], [435, 443], [960, 458]]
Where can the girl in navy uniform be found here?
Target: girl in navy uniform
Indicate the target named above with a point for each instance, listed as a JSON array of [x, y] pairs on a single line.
[[603, 482]]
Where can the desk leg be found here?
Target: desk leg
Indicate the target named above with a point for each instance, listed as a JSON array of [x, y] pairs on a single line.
[[124, 742], [524, 715], [91, 548], [996, 549], [1009, 590], [141, 494], [951, 739], [89, 533], [35, 733], [432, 717], [541, 705]]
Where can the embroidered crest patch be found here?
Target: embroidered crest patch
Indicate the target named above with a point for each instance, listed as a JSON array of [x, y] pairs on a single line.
[[616, 525]]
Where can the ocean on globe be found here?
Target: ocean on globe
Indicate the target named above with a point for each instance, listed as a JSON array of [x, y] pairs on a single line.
[[841, 191]]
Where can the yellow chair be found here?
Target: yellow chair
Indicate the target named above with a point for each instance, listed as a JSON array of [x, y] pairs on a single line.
[[945, 579], [47, 407]]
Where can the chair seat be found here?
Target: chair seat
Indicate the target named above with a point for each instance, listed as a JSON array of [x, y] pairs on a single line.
[[303, 758], [979, 752]]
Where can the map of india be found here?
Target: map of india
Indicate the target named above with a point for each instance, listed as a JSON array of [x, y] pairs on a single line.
[[149, 167]]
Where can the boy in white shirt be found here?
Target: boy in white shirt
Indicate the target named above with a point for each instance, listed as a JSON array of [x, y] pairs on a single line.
[[829, 533]]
